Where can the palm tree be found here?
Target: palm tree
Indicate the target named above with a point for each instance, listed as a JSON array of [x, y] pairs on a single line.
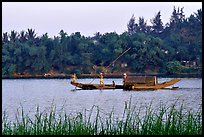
[[31, 34], [23, 36], [5, 38], [13, 36]]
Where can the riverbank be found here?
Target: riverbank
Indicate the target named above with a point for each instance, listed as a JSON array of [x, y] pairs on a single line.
[[106, 75]]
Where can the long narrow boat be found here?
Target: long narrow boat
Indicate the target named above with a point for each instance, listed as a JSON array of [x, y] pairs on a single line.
[[128, 86], [93, 86]]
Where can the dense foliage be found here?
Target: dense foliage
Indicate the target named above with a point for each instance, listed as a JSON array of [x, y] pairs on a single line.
[[153, 48]]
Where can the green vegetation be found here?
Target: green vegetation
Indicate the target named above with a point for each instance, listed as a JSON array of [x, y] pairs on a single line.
[[153, 47], [174, 67], [134, 121]]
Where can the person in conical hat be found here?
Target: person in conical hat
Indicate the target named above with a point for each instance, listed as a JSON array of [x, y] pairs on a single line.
[[124, 77], [101, 78], [74, 77]]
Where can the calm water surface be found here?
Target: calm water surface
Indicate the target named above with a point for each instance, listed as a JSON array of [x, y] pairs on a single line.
[[30, 93]]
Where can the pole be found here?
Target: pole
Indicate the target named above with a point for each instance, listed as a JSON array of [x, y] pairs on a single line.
[[114, 60], [118, 57]]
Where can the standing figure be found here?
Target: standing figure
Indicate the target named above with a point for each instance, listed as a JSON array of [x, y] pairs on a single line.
[[113, 83], [124, 78], [101, 78], [74, 77]]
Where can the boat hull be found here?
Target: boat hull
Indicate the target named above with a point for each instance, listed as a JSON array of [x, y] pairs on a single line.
[[126, 87], [93, 86]]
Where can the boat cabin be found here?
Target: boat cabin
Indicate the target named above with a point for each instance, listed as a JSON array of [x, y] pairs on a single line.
[[141, 80]]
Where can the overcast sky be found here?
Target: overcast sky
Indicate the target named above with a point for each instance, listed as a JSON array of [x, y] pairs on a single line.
[[84, 17]]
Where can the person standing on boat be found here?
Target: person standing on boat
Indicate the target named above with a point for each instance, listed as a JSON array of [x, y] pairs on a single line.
[[124, 78], [74, 77], [101, 78], [113, 83]]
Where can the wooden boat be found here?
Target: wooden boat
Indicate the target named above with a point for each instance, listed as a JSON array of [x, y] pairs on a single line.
[[156, 86], [94, 86], [129, 85]]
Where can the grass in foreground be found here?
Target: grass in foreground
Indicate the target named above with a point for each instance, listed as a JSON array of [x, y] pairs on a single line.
[[163, 121]]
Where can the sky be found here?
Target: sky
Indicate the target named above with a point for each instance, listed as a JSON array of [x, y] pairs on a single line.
[[85, 17]]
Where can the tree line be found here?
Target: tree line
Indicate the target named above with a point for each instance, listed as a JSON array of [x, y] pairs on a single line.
[[157, 47]]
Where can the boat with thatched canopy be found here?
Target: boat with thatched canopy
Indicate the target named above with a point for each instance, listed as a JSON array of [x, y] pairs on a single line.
[[131, 83]]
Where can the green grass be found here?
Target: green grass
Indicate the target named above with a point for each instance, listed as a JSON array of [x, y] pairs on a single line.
[[161, 121]]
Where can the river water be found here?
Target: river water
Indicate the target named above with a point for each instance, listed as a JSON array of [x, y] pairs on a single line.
[[30, 93]]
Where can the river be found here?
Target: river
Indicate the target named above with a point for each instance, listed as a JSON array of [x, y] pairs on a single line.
[[30, 93]]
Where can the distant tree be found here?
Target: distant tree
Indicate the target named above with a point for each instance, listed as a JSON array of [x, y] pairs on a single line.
[[62, 36], [177, 18], [97, 36], [174, 18], [12, 69], [5, 38], [174, 67], [199, 16], [157, 24], [142, 25], [181, 15], [31, 34], [152, 47], [132, 26], [13, 36], [23, 37]]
